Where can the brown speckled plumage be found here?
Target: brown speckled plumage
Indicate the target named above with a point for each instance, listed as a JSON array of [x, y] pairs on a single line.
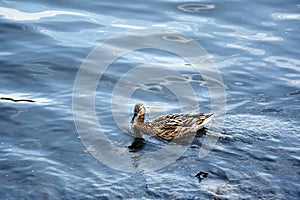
[[169, 126]]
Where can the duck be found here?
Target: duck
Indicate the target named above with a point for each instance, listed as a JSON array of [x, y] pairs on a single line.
[[170, 126]]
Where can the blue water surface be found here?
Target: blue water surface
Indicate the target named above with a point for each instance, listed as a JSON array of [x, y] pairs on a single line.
[[255, 47]]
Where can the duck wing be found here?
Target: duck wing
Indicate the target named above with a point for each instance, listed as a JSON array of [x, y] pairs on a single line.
[[177, 125], [167, 127]]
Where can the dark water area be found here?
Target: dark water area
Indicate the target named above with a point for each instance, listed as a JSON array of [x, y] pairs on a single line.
[[255, 47]]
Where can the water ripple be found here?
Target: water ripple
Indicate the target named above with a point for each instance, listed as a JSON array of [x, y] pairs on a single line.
[[257, 36], [253, 51], [196, 7], [286, 16], [284, 62]]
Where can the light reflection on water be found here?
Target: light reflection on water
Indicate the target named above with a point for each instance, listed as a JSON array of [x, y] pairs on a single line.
[[17, 15]]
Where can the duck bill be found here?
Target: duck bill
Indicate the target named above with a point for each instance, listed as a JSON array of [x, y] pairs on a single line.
[[132, 120]]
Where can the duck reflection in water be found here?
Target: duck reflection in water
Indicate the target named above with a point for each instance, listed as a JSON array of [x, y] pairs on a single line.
[[138, 144]]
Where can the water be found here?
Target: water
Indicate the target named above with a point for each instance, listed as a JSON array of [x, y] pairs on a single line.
[[254, 45]]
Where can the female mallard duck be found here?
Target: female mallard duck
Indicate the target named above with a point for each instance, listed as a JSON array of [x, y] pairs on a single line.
[[169, 126]]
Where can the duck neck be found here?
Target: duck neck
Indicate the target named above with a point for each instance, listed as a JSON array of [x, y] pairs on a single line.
[[140, 119]]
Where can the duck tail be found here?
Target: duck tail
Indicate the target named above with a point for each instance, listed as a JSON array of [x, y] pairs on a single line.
[[208, 117]]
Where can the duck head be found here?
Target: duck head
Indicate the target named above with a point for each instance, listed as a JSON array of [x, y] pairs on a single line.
[[139, 112]]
